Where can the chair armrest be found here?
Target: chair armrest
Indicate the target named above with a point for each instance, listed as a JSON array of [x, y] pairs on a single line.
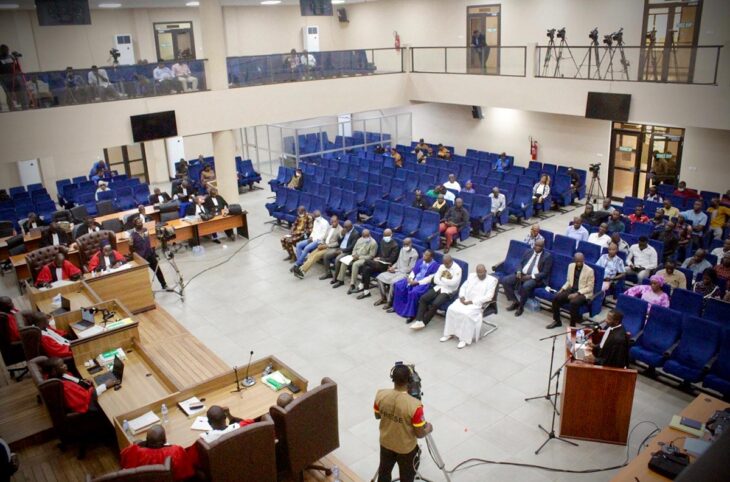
[[710, 363], [669, 350]]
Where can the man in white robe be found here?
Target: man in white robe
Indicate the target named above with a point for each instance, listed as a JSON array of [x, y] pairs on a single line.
[[464, 316]]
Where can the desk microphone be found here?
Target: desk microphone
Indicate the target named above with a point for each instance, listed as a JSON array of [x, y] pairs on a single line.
[[249, 381], [238, 384]]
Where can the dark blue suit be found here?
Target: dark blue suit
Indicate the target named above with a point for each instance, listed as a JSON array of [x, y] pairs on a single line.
[[527, 285]]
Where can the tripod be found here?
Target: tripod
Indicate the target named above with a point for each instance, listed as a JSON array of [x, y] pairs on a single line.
[[650, 59], [13, 94], [559, 57], [611, 51], [592, 53], [595, 190], [546, 64], [433, 450], [548, 395], [169, 255]]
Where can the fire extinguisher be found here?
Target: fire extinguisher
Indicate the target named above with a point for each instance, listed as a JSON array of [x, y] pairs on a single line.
[[533, 149], [397, 40]]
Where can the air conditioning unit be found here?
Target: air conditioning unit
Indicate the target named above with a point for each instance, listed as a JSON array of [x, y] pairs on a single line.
[[310, 38], [123, 43]]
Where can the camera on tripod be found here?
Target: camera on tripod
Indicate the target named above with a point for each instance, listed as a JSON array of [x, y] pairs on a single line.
[[16, 54], [551, 33], [608, 39], [595, 168], [115, 54], [594, 35], [618, 36], [561, 33], [414, 382], [164, 234]]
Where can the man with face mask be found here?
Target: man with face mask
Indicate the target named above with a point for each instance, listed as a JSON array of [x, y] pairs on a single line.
[[365, 248], [300, 229], [388, 255], [396, 272], [464, 316]]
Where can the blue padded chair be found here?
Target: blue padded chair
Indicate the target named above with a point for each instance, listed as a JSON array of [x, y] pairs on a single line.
[[718, 376], [521, 205], [549, 236], [511, 262], [395, 217], [634, 310], [280, 178], [686, 301], [699, 342], [278, 203], [335, 200], [373, 194], [642, 229], [79, 179], [563, 245], [428, 231], [556, 280], [361, 191], [655, 341], [142, 194], [397, 190], [411, 223], [480, 214], [591, 251], [718, 311], [289, 213], [125, 199], [380, 215], [561, 190], [464, 275]]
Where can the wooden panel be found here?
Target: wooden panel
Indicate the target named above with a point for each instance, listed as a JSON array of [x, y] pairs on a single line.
[[221, 223], [700, 409], [21, 415], [131, 286], [78, 293], [151, 211]]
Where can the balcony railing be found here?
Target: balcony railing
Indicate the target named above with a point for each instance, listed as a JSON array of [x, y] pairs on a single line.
[[279, 68], [81, 86], [664, 64], [503, 61]]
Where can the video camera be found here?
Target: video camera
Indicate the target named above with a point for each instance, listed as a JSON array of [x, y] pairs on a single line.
[[115, 54], [16, 54], [164, 233], [595, 168], [608, 39], [594, 35], [618, 36], [551, 33], [414, 382], [561, 33], [651, 35]]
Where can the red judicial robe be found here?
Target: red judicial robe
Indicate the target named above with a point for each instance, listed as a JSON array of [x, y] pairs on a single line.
[[137, 456], [98, 260], [48, 272], [13, 326], [77, 397], [51, 347]]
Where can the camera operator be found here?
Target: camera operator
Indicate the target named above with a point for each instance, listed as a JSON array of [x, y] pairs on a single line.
[[140, 244], [10, 80], [401, 423]]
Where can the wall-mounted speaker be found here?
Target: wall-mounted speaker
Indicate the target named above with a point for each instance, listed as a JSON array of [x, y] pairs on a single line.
[[476, 112], [342, 15]]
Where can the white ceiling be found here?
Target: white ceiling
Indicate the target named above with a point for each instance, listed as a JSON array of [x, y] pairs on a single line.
[[28, 4]]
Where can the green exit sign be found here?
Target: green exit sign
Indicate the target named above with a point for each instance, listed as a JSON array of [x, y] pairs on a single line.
[[666, 155], [626, 149]]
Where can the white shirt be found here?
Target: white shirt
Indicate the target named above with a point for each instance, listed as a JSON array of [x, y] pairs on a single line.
[[319, 229], [215, 201], [719, 253], [199, 209], [308, 60], [447, 285], [163, 73], [101, 388], [55, 240], [213, 435], [541, 190], [449, 196], [160, 198], [453, 185], [100, 78], [108, 262], [601, 240], [646, 258], [534, 268], [580, 234], [332, 233], [606, 333], [59, 274], [498, 203], [56, 337]]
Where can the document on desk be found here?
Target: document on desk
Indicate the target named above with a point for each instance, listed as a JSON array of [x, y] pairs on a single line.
[[276, 380], [143, 422], [346, 260], [201, 424], [191, 402], [89, 332]]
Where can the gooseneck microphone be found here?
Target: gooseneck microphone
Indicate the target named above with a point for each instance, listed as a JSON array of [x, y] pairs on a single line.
[[238, 384], [249, 381]]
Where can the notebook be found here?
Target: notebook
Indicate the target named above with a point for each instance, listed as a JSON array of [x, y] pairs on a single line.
[[276, 380], [201, 424], [677, 424], [143, 422], [192, 401]]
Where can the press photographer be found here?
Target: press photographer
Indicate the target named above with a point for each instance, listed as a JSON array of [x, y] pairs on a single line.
[[401, 423]]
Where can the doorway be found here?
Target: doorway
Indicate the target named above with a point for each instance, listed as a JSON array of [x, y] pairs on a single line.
[[174, 40], [486, 19], [671, 32], [130, 160], [643, 155]]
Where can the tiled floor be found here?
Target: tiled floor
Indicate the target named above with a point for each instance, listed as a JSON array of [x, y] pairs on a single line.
[[474, 397]]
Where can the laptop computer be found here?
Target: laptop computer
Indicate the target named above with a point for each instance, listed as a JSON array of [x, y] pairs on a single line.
[[65, 307], [116, 374], [87, 320]]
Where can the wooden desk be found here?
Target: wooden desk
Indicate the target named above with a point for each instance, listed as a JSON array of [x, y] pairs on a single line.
[[32, 240], [151, 211], [249, 403], [596, 401], [701, 408], [130, 285], [222, 223], [78, 293]]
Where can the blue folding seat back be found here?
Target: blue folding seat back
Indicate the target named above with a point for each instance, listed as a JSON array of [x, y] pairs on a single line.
[[661, 331], [718, 378], [698, 343], [548, 235], [556, 280], [380, 215], [591, 251], [411, 222], [428, 231], [411, 181], [511, 262], [395, 216], [686, 301], [521, 205], [642, 229], [278, 203], [289, 213], [335, 201], [718, 311], [480, 213], [397, 190], [563, 245], [634, 311], [142, 194], [348, 207]]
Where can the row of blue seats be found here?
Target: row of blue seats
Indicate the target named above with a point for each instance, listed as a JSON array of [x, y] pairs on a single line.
[[247, 175]]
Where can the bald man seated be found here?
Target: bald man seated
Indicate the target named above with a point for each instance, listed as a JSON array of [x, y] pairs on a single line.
[[154, 450]]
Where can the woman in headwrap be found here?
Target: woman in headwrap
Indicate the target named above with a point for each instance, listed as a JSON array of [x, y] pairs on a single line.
[[707, 285], [651, 293]]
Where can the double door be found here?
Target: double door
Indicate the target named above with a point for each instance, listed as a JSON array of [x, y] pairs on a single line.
[[484, 19]]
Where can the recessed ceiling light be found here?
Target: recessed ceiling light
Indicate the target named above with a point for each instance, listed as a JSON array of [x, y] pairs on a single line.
[[8, 6], [338, 2], [192, 4], [110, 5], [271, 2]]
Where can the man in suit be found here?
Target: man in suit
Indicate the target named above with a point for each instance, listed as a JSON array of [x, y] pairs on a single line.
[[216, 204], [54, 236], [139, 242], [33, 222], [184, 192], [481, 51], [348, 238], [577, 291], [58, 269], [613, 350], [534, 270], [197, 207], [365, 248], [89, 226], [388, 254], [159, 197], [328, 246]]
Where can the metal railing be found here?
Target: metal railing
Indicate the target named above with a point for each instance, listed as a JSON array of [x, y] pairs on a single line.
[[675, 64], [278, 68], [34, 90], [503, 61]]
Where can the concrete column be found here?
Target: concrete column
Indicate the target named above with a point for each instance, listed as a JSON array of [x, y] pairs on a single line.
[[224, 151], [214, 44]]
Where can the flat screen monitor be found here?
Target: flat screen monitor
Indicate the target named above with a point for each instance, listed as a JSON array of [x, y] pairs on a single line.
[[316, 8], [613, 107], [159, 125], [66, 12]]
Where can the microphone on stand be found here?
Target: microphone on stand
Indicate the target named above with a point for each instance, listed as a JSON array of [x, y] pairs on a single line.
[[238, 385], [249, 381]]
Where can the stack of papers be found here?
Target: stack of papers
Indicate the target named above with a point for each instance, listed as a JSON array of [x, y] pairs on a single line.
[[89, 332], [192, 401], [143, 422], [107, 358], [276, 380], [201, 424]]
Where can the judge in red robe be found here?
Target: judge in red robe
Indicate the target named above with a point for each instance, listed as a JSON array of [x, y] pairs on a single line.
[[79, 395], [59, 267], [105, 258], [53, 341], [155, 450], [7, 307]]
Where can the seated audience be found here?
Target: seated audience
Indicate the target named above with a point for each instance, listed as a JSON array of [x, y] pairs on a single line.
[[672, 276], [653, 195], [388, 253], [379, 149], [33, 222], [623, 246], [328, 246], [53, 235], [102, 186], [421, 146], [106, 258], [697, 263], [685, 193], [575, 182], [651, 293], [320, 228], [500, 165], [455, 220], [90, 226], [464, 316], [142, 214], [469, 188], [642, 259], [670, 211], [221, 422], [658, 220], [591, 217], [58, 269], [613, 266], [407, 259], [297, 180], [184, 192], [499, 204], [707, 285], [397, 158], [419, 201], [534, 271], [308, 61], [54, 343], [154, 450], [75, 89], [443, 152], [79, 395], [722, 270], [300, 229], [446, 281], [684, 236], [576, 231], [576, 292], [670, 240], [540, 191], [699, 221], [159, 197], [638, 216], [207, 176], [216, 205], [722, 251], [600, 237], [181, 169], [452, 183], [100, 85], [533, 236], [164, 78], [139, 243], [365, 248], [97, 167], [182, 73], [407, 292], [440, 206], [197, 207], [349, 237], [719, 216], [613, 349], [11, 315], [615, 225], [606, 206]]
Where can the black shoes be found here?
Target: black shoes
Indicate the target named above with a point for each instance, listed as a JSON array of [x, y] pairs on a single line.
[[390, 310], [409, 320], [337, 284], [326, 276], [216, 241], [363, 296], [298, 272], [379, 302], [352, 290], [513, 306], [554, 324]]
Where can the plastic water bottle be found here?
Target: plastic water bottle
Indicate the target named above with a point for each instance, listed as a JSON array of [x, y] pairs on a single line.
[[163, 411], [335, 473], [125, 427]]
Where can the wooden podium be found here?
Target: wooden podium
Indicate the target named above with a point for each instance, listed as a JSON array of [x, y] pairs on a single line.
[[596, 401]]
